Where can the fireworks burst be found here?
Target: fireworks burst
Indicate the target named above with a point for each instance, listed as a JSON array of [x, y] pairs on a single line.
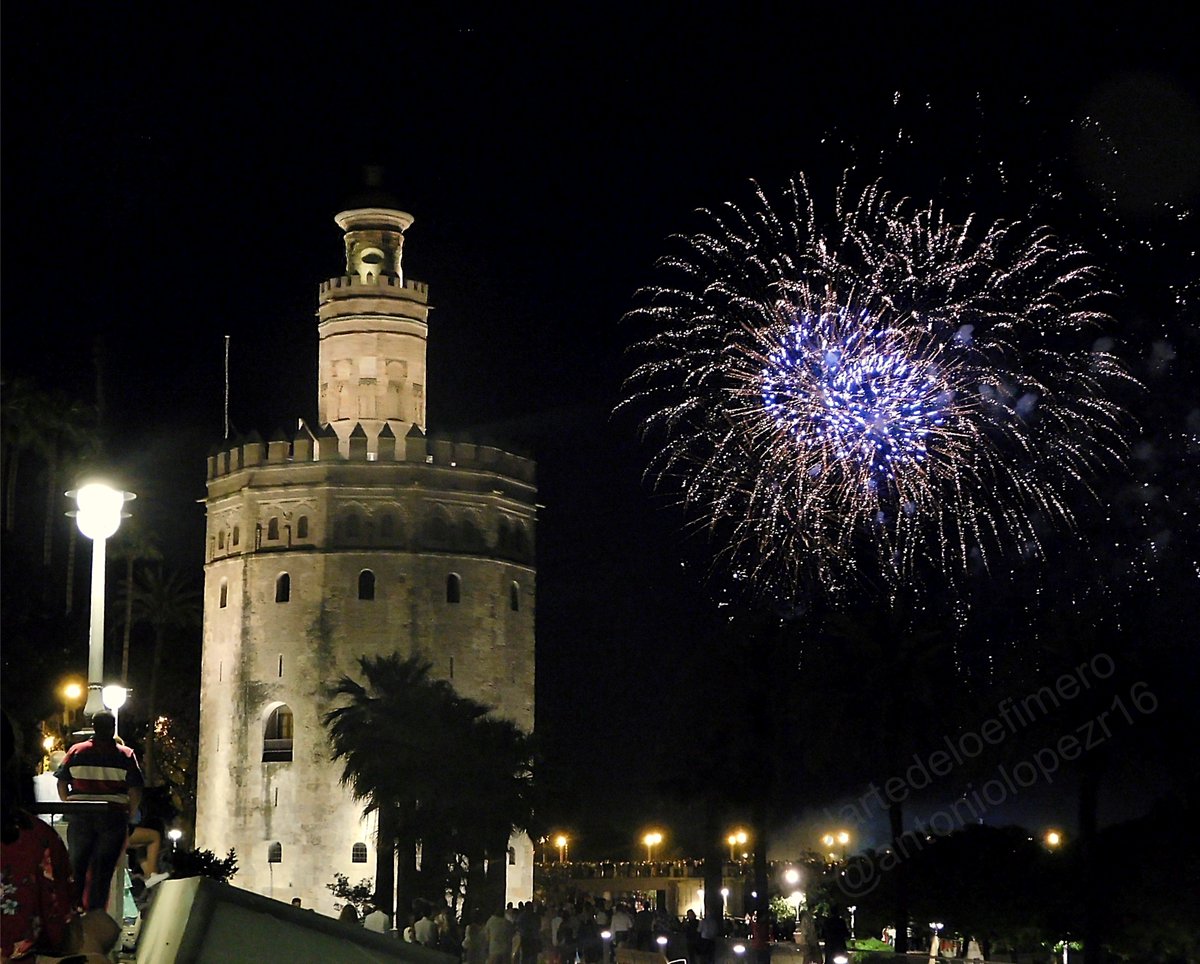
[[895, 394]]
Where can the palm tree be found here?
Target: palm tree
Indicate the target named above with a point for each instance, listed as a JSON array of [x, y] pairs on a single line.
[[382, 735], [490, 799], [164, 601], [134, 543], [386, 733]]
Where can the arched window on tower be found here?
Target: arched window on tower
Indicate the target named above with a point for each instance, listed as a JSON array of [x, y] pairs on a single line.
[[275, 852], [302, 527], [387, 526], [366, 584], [224, 601], [237, 534], [283, 588], [512, 856], [358, 853], [273, 528], [514, 597], [221, 539], [453, 588], [277, 735]]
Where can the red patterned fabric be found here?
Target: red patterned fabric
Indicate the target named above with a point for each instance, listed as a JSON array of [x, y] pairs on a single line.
[[35, 891]]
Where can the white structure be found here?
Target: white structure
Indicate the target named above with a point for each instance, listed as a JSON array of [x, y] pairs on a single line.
[[363, 538]]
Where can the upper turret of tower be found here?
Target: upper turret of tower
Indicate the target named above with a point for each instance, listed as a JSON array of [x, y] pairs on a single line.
[[373, 325], [374, 242]]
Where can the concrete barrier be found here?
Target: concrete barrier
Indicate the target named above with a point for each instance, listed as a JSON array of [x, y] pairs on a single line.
[[202, 920]]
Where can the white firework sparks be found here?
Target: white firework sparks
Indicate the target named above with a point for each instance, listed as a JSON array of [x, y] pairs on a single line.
[[895, 394]]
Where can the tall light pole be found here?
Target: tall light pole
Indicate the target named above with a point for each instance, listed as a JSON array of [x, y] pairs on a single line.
[[561, 843], [98, 517], [651, 840], [735, 839]]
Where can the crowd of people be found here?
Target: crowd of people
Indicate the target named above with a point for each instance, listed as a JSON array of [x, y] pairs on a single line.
[[589, 930]]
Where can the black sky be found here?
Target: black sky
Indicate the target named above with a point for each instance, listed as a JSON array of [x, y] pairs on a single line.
[[170, 177]]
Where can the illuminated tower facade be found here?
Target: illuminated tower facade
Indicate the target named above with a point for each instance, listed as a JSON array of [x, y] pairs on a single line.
[[361, 537]]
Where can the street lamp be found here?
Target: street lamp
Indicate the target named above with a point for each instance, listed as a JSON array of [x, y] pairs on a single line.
[[651, 840], [735, 839], [113, 697], [561, 843], [852, 908], [1053, 839], [174, 835], [98, 516], [71, 692]]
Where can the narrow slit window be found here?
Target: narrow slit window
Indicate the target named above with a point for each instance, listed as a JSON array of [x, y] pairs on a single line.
[[273, 528], [453, 588], [452, 667], [283, 588], [221, 539], [281, 665], [224, 601], [514, 597], [237, 534], [366, 584], [302, 527]]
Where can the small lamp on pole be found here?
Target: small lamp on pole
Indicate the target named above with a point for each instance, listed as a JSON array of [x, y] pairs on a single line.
[[98, 516]]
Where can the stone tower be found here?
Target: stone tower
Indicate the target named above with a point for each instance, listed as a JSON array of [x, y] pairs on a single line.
[[364, 537]]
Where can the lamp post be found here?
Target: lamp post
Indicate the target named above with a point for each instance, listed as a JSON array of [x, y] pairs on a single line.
[[561, 843], [791, 877], [651, 840], [736, 839], [98, 516]]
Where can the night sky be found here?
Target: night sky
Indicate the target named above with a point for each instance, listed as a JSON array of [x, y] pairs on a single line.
[[170, 179]]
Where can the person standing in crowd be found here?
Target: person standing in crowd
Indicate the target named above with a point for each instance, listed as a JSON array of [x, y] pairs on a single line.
[[102, 770], [425, 931], [643, 926], [378, 920], [475, 941], [622, 926], [499, 932]]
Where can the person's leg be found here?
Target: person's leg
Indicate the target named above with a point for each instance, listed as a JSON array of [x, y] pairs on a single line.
[[109, 845], [151, 840], [81, 841]]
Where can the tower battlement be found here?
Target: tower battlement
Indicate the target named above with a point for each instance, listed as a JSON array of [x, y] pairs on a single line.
[[414, 449], [386, 285]]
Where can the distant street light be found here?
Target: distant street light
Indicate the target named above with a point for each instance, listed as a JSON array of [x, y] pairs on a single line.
[[174, 834], [71, 692], [852, 908], [1053, 839], [735, 839], [561, 843], [651, 840], [98, 516]]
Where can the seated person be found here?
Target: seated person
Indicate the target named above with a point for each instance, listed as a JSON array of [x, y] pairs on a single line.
[[147, 833]]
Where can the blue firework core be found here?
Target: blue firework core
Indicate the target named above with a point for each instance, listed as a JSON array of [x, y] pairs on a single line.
[[846, 388]]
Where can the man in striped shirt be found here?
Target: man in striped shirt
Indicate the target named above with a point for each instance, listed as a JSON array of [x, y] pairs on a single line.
[[103, 770]]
